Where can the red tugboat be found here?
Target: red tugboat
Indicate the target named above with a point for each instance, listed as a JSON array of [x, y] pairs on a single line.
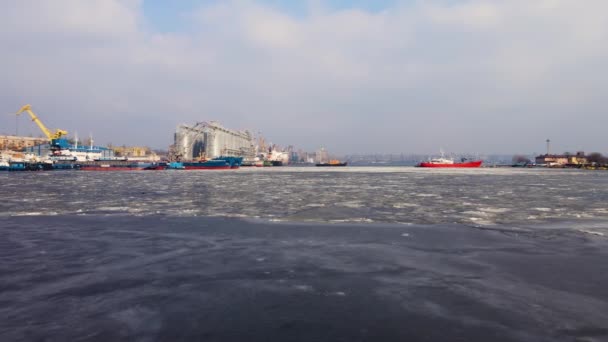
[[444, 162]]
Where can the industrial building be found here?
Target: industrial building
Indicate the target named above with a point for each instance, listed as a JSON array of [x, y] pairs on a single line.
[[81, 153], [141, 153], [322, 156], [562, 159], [207, 140]]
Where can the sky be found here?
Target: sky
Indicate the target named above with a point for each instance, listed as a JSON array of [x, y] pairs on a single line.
[[353, 76]]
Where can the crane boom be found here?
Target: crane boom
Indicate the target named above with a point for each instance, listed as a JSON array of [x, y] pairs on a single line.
[[51, 136]]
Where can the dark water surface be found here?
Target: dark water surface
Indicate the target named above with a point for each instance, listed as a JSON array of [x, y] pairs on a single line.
[[356, 255]]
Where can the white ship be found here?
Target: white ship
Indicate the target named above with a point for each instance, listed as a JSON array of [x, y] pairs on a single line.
[[77, 152]]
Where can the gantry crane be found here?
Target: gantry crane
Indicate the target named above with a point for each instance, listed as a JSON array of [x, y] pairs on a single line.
[[51, 136]]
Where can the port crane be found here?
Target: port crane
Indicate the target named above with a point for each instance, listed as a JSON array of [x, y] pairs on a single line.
[[51, 136]]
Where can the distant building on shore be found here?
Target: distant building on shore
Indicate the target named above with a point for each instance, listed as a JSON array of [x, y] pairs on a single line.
[[321, 156], [562, 159], [134, 153], [18, 143], [209, 140]]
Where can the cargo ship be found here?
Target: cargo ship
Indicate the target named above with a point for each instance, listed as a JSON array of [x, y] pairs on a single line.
[[157, 166], [218, 163], [116, 165], [273, 158], [445, 162], [25, 166], [175, 166], [332, 163]]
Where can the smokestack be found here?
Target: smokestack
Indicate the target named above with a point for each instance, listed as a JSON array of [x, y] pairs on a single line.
[[548, 146]]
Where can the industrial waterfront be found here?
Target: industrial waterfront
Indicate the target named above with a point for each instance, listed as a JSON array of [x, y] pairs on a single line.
[[210, 145], [203, 145]]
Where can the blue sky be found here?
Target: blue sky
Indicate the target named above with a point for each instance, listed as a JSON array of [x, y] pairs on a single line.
[[171, 16], [487, 76]]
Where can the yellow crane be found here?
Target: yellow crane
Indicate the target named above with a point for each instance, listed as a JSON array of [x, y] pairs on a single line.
[[51, 136]]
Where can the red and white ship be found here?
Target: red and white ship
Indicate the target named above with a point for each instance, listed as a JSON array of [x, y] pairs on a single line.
[[445, 162]]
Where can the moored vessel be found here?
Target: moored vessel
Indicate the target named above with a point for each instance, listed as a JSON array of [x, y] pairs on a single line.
[[117, 165], [27, 166], [175, 166], [446, 162], [157, 167], [219, 163], [333, 162]]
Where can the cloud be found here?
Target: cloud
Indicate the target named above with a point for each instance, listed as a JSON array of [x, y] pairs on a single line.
[[470, 75]]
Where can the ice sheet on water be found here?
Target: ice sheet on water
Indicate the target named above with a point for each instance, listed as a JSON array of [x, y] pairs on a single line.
[[352, 194]]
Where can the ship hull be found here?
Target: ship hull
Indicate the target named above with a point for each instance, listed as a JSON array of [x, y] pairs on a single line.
[[157, 167], [220, 163], [111, 168], [115, 166], [472, 164], [208, 167], [328, 164], [27, 166]]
